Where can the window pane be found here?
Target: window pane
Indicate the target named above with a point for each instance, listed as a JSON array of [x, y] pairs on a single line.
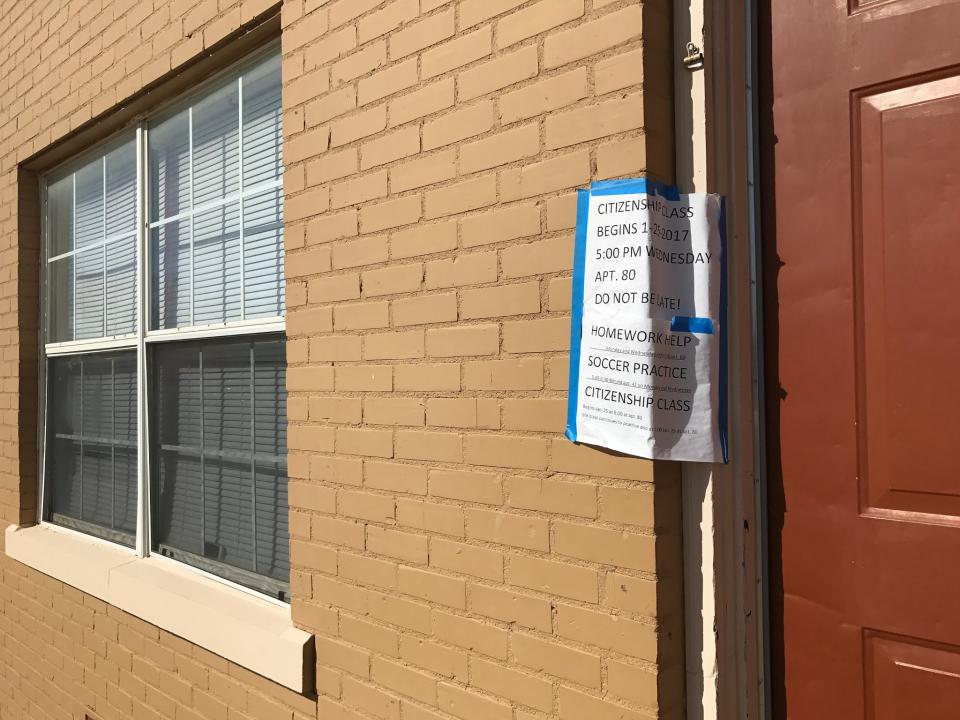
[[216, 145], [91, 451], [216, 266], [91, 247], [220, 480], [263, 255], [262, 129], [121, 204], [170, 244], [233, 269], [169, 162]]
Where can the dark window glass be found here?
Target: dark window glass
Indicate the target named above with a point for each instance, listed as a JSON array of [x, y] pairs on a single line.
[[220, 459]]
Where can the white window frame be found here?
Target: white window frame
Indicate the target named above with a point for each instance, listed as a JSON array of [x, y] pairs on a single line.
[[140, 340]]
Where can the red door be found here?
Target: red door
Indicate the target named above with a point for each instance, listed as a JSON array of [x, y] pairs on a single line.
[[861, 151]]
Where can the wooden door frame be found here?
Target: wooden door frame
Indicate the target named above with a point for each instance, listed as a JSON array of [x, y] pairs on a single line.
[[725, 507]]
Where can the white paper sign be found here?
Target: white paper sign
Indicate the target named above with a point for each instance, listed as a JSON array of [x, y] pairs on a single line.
[[647, 323]]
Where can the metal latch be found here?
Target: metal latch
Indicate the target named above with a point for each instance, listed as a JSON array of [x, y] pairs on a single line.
[[694, 57]]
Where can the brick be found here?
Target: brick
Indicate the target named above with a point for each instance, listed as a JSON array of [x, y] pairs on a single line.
[[369, 699], [508, 529], [358, 63], [400, 612], [366, 251], [559, 294], [393, 279], [618, 72], [358, 125], [346, 10], [452, 412], [502, 149], [555, 578], [425, 309], [466, 559], [393, 16], [596, 121], [558, 173], [511, 607], [558, 372], [345, 471], [581, 460], [544, 96], [396, 544], [518, 374], [431, 656], [461, 197], [393, 411], [367, 570], [336, 410], [506, 451], [363, 377], [310, 262], [387, 148], [496, 74], [536, 414], [608, 631], [473, 12], [632, 683], [464, 269], [422, 102], [393, 345], [558, 660], [465, 485], [542, 335], [330, 46], [470, 706], [517, 686], [458, 125], [606, 546], [434, 587], [500, 225], [426, 445], [332, 226], [593, 37], [304, 146], [535, 19], [334, 287], [424, 171], [310, 379], [420, 35], [513, 299], [364, 505], [631, 506], [443, 519], [457, 52], [423, 239], [575, 705], [332, 166], [404, 680], [341, 655], [359, 189], [374, 637], [330, 106], [622, 157], [631, 593], [361, 441], [362, 316], [550, 495], [304, 322], [537, 258], [445, 376], [390, 214], [396, 477], [306, 204], [470, 634], [463, 341], [335, 347]]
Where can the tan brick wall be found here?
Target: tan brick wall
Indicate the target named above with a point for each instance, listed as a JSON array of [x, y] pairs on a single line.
[[455, 556]]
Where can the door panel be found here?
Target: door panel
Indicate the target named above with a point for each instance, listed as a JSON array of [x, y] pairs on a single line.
[[862, 238]]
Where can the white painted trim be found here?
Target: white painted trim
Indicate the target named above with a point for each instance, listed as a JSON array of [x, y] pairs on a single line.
[[246, 629]]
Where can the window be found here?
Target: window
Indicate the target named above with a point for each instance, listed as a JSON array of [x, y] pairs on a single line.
[[164, 354]]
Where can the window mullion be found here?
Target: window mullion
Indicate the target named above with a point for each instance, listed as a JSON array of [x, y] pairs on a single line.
[[143, 276], [243, 284], [193, 289]]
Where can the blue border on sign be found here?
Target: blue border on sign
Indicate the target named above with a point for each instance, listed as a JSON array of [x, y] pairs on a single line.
[[576, 311], [630, 186]]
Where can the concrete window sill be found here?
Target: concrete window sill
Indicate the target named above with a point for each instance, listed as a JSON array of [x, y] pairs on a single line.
[[247, 630]]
